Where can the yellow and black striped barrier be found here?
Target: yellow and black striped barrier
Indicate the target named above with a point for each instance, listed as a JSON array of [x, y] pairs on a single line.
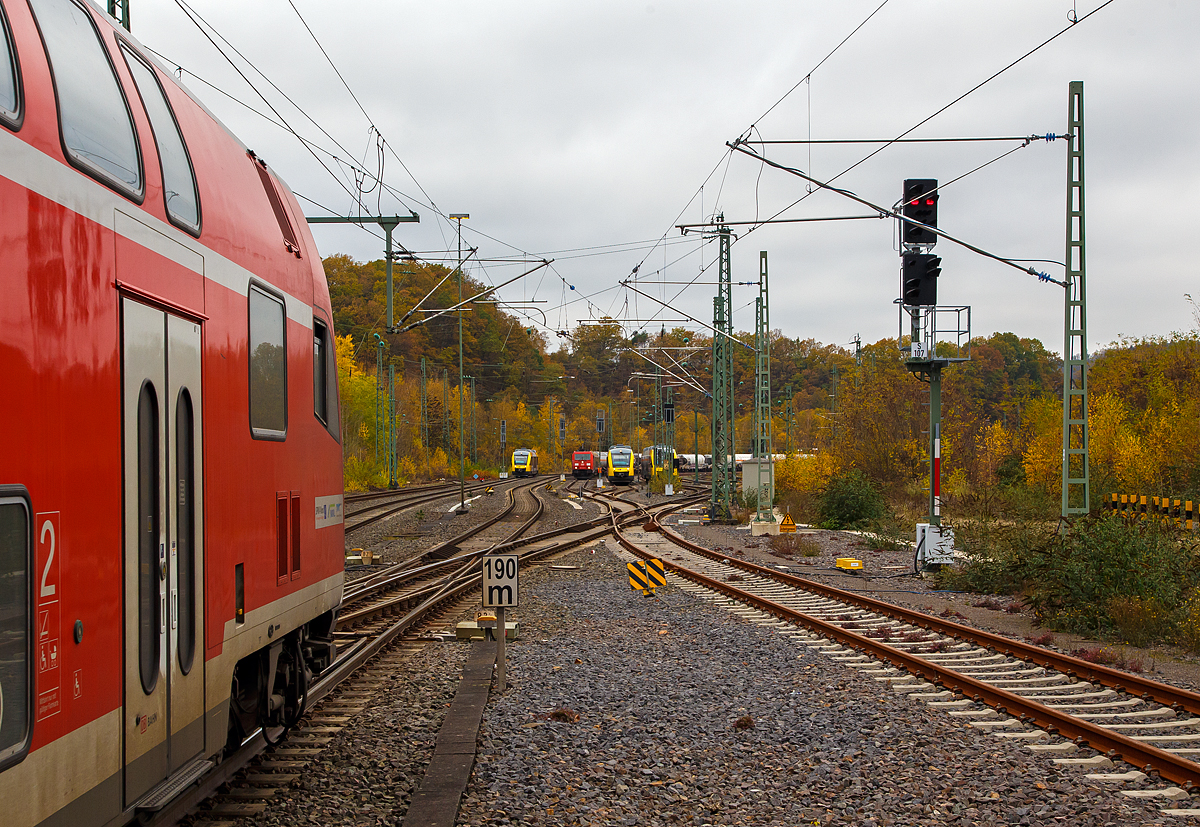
[[646, 575], [1180, 512]]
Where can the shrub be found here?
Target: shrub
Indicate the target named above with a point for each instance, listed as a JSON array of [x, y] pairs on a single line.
[[1074, 578], [1139, 621], [802, 505], [1105, 574], [849, 500], [658, 482], [439, 465], [406, 469], [1188, 629], [363, 474]]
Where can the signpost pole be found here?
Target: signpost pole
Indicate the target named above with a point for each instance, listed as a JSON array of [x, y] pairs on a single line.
[[501, 590], [501, 656]]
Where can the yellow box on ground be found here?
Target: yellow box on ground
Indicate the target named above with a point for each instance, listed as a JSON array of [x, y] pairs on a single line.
[[849, 563]]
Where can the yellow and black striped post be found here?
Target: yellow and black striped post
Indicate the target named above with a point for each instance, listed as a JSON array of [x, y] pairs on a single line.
[[646, 575], [657, 573], [638, 578]]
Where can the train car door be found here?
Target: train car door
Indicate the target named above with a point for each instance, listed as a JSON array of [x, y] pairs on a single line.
[[163, 545]]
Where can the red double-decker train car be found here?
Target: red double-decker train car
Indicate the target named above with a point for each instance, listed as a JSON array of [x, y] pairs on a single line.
[[171, 541], [585, 464]]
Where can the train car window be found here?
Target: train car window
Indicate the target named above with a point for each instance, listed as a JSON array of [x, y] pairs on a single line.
[[16, 621], [268, 366], [97, 128], [179, 180], [185, 528], [10, 78], [149, 563], [325, 391]]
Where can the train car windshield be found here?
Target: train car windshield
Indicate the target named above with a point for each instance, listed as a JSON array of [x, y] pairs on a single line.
[[582, 456], [620, 458], [520, 456]]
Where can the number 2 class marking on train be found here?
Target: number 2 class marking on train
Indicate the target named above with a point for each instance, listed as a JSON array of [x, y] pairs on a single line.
[[48, 589]]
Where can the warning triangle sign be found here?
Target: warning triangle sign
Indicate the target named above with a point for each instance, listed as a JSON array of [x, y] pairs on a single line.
[[788, 526]]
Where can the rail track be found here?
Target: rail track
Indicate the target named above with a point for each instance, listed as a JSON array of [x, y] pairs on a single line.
[[368, 655], [1057, 703], [379, 505]]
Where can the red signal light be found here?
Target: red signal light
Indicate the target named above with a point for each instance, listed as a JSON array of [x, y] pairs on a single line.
[[929, 202]]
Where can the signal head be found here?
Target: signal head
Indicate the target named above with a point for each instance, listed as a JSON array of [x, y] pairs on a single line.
[[920, 204]]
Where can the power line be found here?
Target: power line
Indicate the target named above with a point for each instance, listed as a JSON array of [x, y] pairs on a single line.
[[808, 78], [196, 20], [331, 64]]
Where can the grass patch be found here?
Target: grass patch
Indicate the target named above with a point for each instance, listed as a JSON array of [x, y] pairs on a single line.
[[790, 546]]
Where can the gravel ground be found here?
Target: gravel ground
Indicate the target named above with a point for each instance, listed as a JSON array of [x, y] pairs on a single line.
[[625, 710], [367, 775]]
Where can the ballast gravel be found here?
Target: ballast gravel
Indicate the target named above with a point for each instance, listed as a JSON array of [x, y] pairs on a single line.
[[628, 710]]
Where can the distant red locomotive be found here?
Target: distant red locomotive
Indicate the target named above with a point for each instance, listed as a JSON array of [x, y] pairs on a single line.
[[585, 464], [171, 539]]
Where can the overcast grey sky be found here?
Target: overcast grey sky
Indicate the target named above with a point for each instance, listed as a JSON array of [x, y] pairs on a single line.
[[584, 131]]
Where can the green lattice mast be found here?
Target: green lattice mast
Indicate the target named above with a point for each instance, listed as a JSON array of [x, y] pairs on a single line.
[[763, 431], [1076, 484], [722, 396]]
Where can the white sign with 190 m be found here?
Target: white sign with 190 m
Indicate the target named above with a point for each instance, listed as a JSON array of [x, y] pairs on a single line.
[[500, 576]]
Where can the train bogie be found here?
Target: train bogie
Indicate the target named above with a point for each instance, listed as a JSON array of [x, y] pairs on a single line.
[[170, 505]]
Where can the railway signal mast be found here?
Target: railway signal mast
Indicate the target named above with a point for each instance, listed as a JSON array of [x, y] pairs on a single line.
[[930, 349]]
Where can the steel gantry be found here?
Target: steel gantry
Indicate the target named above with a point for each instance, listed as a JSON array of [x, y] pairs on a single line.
[[1076, 484], [763, 431], [388, 223], [723, 479]]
